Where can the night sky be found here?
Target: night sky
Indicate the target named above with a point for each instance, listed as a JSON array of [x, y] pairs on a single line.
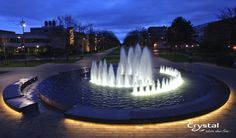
[[119, 16]]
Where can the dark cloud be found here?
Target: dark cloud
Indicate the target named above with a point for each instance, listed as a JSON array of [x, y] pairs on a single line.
[[119, 16]]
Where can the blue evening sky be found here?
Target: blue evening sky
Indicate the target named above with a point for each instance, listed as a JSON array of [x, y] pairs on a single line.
[[119, 16]]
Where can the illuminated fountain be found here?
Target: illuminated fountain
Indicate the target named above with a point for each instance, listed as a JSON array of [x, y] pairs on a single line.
[[166, 84], [135, 70], [116, 94]]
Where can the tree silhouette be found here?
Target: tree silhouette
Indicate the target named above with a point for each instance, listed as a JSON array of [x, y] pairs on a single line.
[[227, 13], [139, 35], [180, 32]]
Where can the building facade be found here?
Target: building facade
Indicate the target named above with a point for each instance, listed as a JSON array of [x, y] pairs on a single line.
[[221, 32], [53, 40], [157, 38], [49, 38]]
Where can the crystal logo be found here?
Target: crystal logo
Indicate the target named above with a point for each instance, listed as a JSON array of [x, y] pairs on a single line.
[[206, 127], [202, 127]]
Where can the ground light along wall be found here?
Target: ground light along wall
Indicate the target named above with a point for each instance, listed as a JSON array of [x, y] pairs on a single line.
[[179, 126]]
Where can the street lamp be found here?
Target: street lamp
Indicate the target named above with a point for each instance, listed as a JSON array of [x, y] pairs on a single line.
[[37, 50], [96, 43], [23, 25]]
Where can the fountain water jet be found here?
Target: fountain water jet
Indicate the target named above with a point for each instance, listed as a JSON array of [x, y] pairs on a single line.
[[164, 85], [135, 70]]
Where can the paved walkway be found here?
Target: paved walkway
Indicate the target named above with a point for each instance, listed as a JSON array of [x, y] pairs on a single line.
[[51, 123]]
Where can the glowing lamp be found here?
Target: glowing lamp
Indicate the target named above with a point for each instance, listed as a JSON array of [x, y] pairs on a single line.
[[234, 47]]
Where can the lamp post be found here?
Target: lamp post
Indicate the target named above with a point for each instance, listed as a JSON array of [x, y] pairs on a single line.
[[96, 43], [23, 25], [84, 46]]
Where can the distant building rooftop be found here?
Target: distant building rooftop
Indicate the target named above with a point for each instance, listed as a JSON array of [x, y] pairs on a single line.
[[6, 32]]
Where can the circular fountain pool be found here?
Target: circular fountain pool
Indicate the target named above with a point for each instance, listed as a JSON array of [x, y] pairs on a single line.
[[80, 99], [132, 92]]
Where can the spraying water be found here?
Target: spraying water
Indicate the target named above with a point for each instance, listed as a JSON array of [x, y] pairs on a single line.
[[136, 67], [135, 70]]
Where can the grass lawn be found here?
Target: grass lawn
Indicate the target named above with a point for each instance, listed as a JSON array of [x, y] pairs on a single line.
[[114, 56], [115, 52], [172, 56], [34, 63], [114, 59]]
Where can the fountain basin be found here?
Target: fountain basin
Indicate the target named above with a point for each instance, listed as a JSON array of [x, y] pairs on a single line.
[[79, 99]]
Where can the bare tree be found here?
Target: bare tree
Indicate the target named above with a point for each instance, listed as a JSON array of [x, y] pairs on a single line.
[[80, 27], [227, 13], [89, 29], [66, 21], [60, 20]]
